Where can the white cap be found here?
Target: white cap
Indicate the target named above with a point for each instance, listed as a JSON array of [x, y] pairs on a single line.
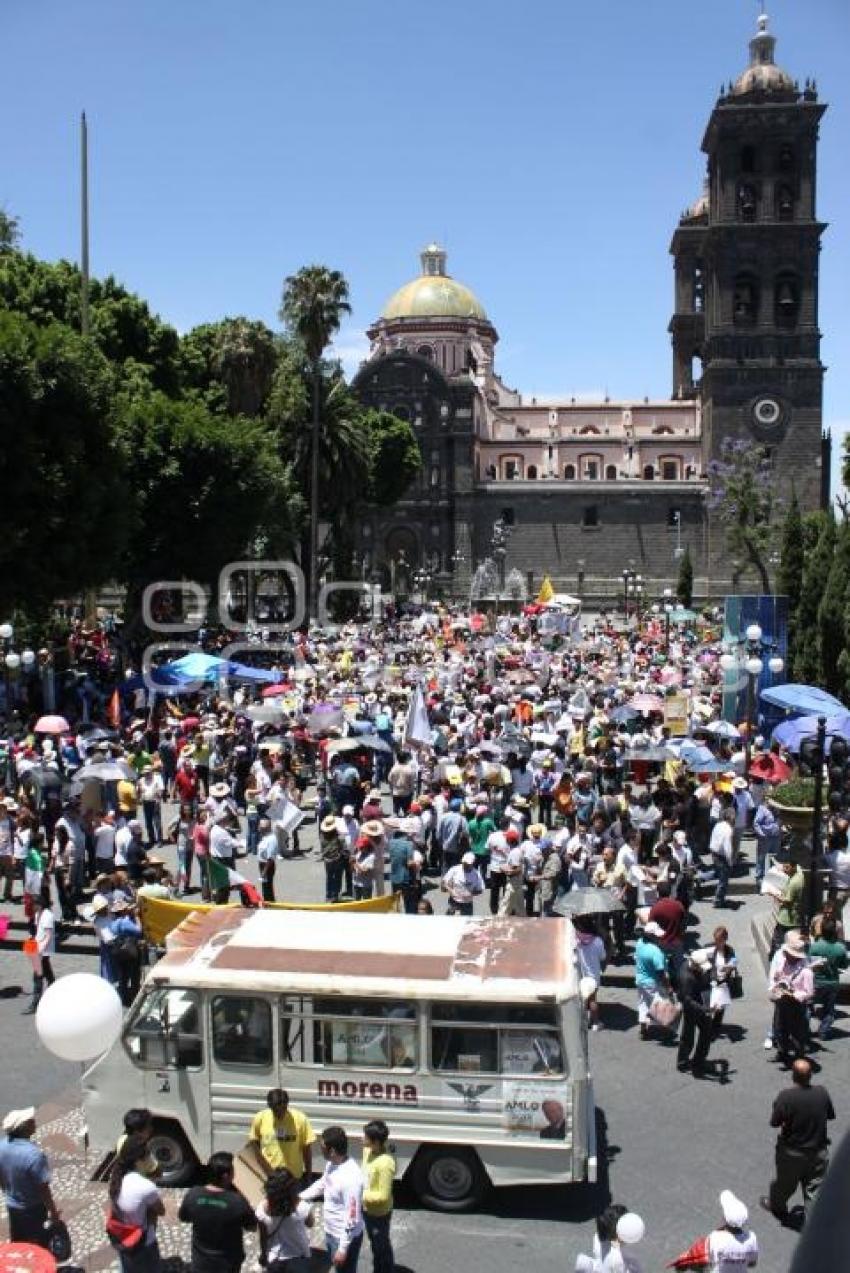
[[734, 1212], [18, 1118], [653, 930], [468, 859]]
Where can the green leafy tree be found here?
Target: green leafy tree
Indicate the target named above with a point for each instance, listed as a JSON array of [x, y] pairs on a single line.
[[742, 498], [63, 511], [10, 233], [807, 666], [791, 566], [831, 612], [208, 489], [231, 363], [122, 325], [685, 582], [394, 456], [314, 303]]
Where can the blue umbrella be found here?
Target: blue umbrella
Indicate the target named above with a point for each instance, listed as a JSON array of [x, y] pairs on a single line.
[[803, 698], [792, 732], [622, 715], [722, 729]]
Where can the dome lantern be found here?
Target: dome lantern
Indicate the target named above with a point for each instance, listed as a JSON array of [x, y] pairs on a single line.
[[433, 259], [762, 75]]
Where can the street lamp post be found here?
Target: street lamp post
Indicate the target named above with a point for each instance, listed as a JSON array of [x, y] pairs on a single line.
[[751, 651]]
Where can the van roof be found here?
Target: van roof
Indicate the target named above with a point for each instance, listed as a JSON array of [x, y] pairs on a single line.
[[413, 956]]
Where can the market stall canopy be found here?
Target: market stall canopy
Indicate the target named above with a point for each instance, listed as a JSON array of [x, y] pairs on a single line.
[[803, 699]]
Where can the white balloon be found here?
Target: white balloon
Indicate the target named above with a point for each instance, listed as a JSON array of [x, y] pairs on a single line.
[[586, 987], [79, 1017], [630, 1227]]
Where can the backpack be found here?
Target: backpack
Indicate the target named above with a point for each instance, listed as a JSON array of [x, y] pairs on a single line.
[[124, 950]]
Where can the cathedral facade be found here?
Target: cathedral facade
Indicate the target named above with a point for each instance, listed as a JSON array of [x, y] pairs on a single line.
[[584, 492]]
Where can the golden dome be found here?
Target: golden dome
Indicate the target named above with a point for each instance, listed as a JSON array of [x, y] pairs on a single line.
[[434, 294], [762, 75]]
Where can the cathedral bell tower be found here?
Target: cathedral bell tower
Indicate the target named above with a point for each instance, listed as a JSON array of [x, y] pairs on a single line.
[[746, 261]]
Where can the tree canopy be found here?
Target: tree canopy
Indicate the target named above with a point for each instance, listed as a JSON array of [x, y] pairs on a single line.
[[742, 496], [63, 518]]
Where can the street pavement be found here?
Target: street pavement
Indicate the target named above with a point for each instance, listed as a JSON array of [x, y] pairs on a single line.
[[671, 1142]]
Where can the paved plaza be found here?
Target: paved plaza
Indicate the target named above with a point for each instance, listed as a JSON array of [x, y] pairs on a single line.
[[672, 1143]]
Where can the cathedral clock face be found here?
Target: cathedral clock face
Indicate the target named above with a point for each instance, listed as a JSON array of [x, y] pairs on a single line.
[[766, 412]]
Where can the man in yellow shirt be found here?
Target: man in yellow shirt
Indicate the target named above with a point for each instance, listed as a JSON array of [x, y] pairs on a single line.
[[378, 1167], [281, 1136]]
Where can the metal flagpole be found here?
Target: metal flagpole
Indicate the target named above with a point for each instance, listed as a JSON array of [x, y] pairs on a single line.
[[84, 225]]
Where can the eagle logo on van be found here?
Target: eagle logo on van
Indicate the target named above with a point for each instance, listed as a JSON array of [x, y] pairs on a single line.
[[471, 1093]]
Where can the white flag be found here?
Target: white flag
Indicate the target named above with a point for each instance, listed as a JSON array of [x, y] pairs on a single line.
[[417, 728]]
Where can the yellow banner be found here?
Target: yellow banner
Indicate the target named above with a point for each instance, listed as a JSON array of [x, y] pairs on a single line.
[[158, 916], [546, 592]]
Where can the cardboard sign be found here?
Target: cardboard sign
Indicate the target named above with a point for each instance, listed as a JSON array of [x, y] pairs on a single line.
[[676, 714]]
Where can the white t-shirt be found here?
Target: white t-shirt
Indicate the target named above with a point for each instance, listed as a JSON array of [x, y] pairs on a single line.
[[341, 1186], [104, 842], [45, 933], [732, 1251], [123, 836], [498, 847], [721, 841], [286, 1236], [137, 1194], [267, 848]]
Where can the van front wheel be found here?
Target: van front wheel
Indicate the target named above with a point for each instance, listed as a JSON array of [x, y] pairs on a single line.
[[449, 1179], [177, 1163]]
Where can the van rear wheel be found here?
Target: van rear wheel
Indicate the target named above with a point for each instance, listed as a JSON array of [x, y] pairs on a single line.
[[177, 1163], [449, 1179]]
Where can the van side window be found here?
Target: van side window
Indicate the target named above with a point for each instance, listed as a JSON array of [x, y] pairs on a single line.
[[495, 1039], [376, 1033], [165, 1031], [242, 1030]]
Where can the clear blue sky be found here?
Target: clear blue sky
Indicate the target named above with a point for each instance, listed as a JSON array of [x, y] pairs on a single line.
[[551, 144]]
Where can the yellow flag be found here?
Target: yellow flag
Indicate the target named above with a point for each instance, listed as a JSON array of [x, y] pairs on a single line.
[[546, 592]]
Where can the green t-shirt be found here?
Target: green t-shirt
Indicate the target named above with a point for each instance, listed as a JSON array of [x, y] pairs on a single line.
[[789, 912], [479, 831], [835, 954]]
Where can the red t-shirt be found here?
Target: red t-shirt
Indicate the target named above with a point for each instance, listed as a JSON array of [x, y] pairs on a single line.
[[201, 840], [186, 784]]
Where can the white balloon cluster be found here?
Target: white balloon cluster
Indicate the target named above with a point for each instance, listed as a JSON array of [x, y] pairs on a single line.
[[79, 1017]]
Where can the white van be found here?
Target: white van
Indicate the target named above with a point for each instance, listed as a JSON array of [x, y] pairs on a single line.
[[466, 1035]]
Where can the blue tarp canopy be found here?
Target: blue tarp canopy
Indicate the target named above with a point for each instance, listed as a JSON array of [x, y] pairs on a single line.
[[198, 666], [803, 699], [792, 732]]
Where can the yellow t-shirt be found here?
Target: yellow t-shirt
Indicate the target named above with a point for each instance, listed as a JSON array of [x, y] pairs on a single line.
[[378, 1175], [127, 797], [282, 1142]]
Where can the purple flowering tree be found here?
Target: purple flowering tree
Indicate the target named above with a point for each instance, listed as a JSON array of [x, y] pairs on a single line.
[[743, 500]]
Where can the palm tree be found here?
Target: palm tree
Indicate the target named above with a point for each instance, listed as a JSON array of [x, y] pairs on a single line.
[[314, 302]]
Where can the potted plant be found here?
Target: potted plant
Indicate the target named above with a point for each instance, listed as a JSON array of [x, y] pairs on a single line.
[[793, 804]]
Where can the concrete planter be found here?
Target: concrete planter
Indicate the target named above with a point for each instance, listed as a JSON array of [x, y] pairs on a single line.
[[794, 818]]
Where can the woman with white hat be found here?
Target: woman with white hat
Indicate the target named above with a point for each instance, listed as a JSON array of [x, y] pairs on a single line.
[[791, 987]]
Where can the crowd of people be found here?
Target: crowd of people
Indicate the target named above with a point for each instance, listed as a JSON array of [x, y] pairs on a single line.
[[490, 764]]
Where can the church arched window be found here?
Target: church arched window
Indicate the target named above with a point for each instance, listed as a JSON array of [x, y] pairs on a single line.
[[745, 301], [569, 472], [748, 159], [786, 301], [784, 202], [531, 471], [425, 351], [610, 472], [648, 473], [747, 201]]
